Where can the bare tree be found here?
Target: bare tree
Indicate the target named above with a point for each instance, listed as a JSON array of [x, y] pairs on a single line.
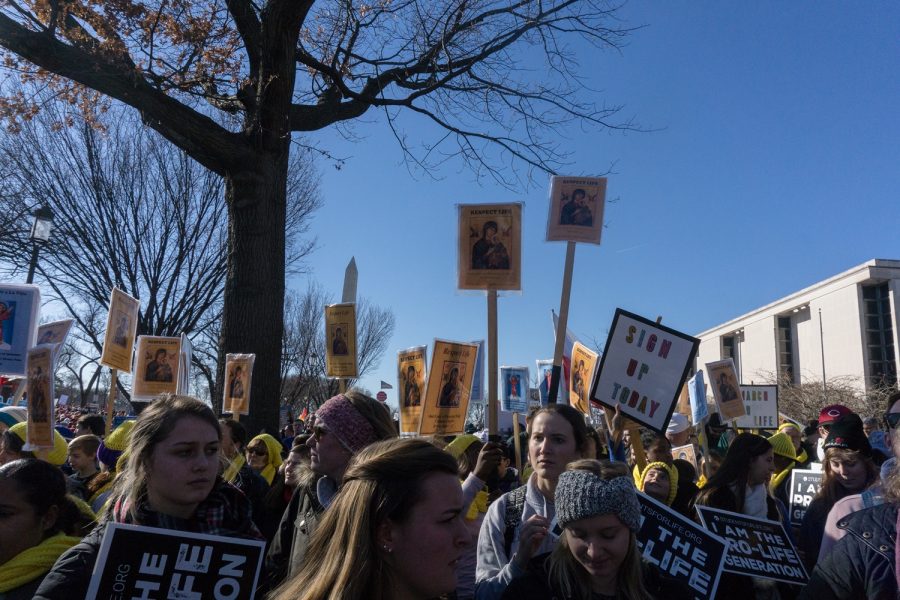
[[303, 375], [135, 213], [228, 83], [803, 401]]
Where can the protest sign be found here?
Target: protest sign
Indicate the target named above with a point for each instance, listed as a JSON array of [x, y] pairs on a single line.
[[156, 365], [19, 309], [340, 341], [238, 379], [40, 390], [584, 362], [411, 365], [448, 388], [514, 389], [576, 209], [534, 399], [805, 484], [55, 333], [760, 406], [121, 329], [478, 378], [642, 368], [756, 547], [688, 453], [545, 373], [724, 381], [680, 548], [697, 396], [135, 561], [489, 253]]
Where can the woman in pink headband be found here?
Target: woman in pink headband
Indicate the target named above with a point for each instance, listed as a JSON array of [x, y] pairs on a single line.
[[344, 425]]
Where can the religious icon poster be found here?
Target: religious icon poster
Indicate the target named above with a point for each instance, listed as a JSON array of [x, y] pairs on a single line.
[[340, 340], [545, 375], [726, 390], [39, 390], [19, 309], [449, 387], [156, 364], [514, 389], [584, 362], [489, 252], [576, 209], [411, 365], [236, 392], [54, 333], [121, 329]]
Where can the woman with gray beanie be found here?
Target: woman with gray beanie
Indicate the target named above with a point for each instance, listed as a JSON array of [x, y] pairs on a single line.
[[597, 557]]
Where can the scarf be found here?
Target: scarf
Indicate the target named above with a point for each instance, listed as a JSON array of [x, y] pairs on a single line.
[[479, 505], [225, 511], [34, 562], [755, 504], [779, 477], [234, 466]]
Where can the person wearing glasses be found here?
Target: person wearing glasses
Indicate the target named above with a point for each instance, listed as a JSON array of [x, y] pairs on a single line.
[[264, 456], [344, 425], [861, 562]]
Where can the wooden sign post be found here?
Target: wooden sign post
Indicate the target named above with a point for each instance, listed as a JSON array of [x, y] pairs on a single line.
[[111, 399], [562, 323], [493, 362]]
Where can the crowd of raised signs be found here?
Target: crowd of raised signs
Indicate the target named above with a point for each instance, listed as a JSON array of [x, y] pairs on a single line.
[[177, 503]]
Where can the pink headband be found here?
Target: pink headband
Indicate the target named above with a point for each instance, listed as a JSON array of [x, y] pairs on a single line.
[[352, 430]]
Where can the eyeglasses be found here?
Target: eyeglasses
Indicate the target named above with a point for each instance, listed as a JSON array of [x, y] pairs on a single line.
[[892, 420], [319, 432], [258, 451]]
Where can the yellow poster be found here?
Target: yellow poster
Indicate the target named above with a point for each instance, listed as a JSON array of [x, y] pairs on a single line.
[[726, 390], [39, 388], [238, 371], [121, 329], [156, 365], [490, 247], [340, 340], [584, 361], [411, 378], [576, 209], [449, 388]]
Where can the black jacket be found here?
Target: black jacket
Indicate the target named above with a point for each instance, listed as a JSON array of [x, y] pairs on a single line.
[[861, 564]]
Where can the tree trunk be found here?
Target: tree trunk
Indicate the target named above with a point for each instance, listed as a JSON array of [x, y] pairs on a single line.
[[253, 313]]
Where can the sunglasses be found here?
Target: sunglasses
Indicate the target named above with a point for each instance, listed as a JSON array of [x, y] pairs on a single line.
[[319, 432], [258, 451], [892, 420]]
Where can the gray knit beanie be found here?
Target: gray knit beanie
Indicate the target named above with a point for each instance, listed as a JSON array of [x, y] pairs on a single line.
[[583, 494]]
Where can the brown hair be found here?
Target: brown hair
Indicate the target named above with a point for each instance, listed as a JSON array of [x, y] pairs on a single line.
[[831, 489], [572, 415], [376, 413], [87, 444]]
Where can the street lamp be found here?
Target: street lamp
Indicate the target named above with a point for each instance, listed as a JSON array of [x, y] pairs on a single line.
[[40, 235]]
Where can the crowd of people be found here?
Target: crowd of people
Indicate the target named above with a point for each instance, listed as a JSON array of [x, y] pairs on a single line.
[[349, 510]]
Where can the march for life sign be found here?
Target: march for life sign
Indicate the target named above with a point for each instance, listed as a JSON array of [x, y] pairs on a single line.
[[756, 547], [642, 368], [761, 405], [805, 484], [148, 562], [680, 548]]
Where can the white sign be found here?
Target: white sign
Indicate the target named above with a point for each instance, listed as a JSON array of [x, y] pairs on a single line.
[[761, 404], [642, 369]]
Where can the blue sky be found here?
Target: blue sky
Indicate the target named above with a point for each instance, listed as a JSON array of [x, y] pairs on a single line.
[[773, 164]]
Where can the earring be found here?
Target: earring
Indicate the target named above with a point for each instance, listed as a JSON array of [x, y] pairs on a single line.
[[387, 548]]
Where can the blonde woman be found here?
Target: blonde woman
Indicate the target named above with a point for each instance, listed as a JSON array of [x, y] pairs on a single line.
[[170, 479], [395, 530], [597, 555]]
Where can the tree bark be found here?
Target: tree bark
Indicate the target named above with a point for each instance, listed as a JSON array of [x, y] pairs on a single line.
[[252, 319]]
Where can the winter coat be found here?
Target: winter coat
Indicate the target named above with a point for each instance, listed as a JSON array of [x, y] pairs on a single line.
[[534, 585], [291, 540], [861, 564]]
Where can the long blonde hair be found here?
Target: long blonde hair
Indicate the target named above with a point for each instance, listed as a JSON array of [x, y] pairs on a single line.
[[569, 578], [152, 426], [344, 562]]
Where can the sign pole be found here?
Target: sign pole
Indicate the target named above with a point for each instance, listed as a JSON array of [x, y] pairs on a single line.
[[562, 323], [493, 421], [517, 444], [111, 400]]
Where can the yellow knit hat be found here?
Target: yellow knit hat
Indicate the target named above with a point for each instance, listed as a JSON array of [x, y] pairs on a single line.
[[788, 425], [57, 456], [458, 446], [113, 448], [783, 445], [670, 470]]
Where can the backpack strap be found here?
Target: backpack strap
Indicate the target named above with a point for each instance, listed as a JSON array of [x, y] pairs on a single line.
[[515, 502]]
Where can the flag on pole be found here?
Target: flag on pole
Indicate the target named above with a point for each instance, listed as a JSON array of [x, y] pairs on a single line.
[[386, 386], [563, 395], [304, 414]]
